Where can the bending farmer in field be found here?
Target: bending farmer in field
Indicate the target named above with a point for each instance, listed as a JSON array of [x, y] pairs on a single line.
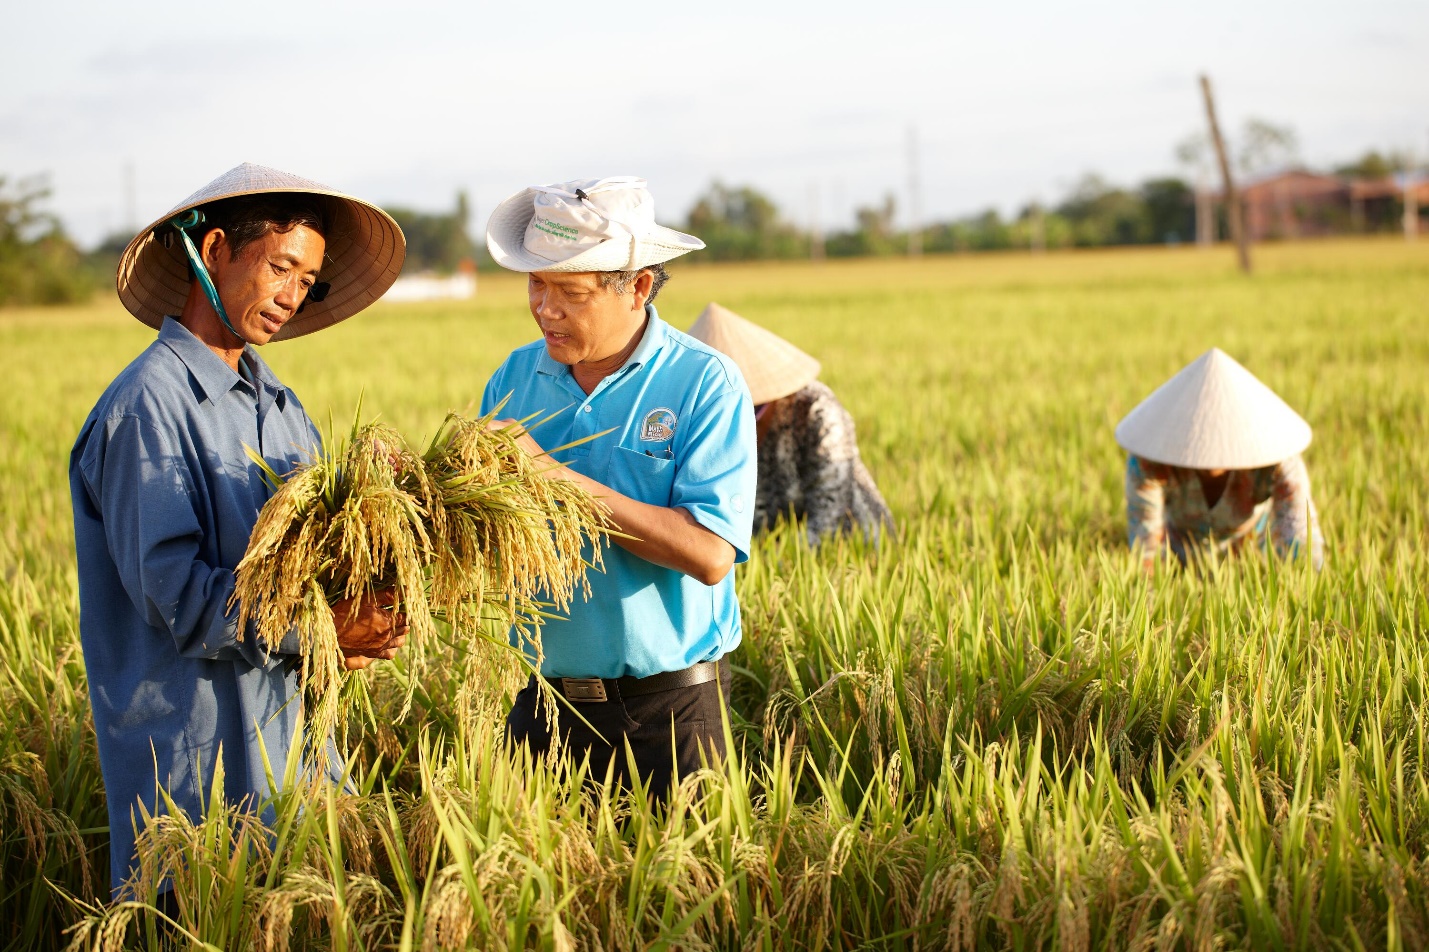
[[644, 654], [1215, 465], [165, 495], [809, 467]]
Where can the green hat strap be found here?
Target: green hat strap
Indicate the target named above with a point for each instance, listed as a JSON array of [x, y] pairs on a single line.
[[191, 219]]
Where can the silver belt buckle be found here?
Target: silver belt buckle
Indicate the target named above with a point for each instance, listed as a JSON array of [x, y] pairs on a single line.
[[584, 689]]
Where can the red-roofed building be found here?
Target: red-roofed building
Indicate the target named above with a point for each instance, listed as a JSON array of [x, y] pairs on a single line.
[[1300, 204]]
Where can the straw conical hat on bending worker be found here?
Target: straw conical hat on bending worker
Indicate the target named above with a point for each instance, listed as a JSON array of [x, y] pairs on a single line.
[[772, 366], [365, 250], [1214, 414]]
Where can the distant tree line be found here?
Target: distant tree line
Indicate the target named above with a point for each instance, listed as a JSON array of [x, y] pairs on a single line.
[[40, 264], [436, 241], [739, 223]]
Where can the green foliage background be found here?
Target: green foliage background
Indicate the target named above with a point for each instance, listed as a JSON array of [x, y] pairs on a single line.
[[991, 732], [437, 241], [38, 262]]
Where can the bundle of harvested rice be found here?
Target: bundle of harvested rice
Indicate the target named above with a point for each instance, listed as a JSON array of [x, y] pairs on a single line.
[[467, 527], [500, 529]]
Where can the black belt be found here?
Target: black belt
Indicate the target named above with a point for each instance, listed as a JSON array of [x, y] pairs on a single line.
[[594, 690]]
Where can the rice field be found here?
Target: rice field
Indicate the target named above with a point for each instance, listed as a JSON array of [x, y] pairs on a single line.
[[991, 732]]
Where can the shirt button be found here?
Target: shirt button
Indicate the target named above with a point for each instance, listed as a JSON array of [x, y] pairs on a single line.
[[587, 408]]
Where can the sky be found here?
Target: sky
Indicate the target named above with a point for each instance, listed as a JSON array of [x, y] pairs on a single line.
[[814, 104]]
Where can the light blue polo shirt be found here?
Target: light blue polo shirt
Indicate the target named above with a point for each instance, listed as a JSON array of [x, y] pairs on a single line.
[[682, 436]]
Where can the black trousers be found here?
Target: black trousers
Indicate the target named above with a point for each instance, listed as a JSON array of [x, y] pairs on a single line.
[[647, 722]]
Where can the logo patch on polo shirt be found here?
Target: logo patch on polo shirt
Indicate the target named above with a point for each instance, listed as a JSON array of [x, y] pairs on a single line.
[[659, 425]]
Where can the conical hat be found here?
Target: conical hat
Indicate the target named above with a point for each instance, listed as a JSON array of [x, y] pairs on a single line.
[[771, 365], [364, 254], [1214, 414]]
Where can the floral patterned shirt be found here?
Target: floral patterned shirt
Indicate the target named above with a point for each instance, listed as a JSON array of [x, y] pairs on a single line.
[[809, 466], [1166, 509]]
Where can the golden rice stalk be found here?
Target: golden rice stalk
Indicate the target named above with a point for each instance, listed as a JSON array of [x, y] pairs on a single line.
[[469, 525], [340, 527], [502, 532]]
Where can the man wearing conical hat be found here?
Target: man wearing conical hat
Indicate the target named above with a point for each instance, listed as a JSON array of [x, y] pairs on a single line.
[[809, 466], [669, 446], [1214, 465], [165, 495]]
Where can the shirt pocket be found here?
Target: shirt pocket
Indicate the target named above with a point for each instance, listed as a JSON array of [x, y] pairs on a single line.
[[646, 478]]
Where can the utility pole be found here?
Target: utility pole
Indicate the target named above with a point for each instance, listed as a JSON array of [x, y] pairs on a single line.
[[1037, 229], [816, 232], [915, 227], [1233, 209], [1205, 213]]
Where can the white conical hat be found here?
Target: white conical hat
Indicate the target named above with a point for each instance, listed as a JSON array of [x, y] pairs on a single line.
[[586, 225], [1214, 414], [771, 365], [364, 253]]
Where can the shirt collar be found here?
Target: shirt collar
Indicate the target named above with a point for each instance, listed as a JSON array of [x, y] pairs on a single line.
[[263, 372], [213, 376], [656, 333]]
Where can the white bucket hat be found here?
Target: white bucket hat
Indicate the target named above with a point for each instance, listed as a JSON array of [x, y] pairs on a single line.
[[585, 225], [364, 253], [1214, 414], [772, 366]]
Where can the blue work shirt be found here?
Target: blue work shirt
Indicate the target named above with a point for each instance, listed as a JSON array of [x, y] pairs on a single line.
[[164, 500], [683, 436]]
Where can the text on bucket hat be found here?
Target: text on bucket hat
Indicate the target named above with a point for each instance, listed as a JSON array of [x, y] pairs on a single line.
[[772, 367], [583, 225], [1214, 414], [365, 249]]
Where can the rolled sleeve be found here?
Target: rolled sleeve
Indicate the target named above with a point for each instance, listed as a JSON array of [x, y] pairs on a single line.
[[1145, 511], [829, 476], [1295, 525], [718, 465]]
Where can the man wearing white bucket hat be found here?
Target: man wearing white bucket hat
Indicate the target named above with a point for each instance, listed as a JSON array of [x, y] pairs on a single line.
[[809, 466], [1215, 465], [165, 495], [669, 433]]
